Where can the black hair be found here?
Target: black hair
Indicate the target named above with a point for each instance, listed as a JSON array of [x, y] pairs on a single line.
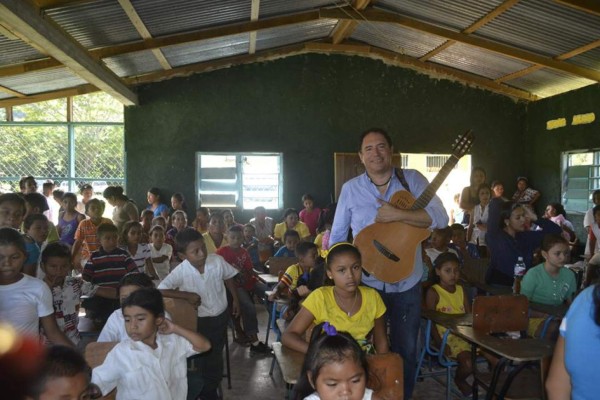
[[560, 210], [114, 191], [552, 239], [129, 225], [595, 209], [303, 248], [216, 215], [136, 279], [48, 184], [12, 237], [457, 227], [31, 218], [442, 259], [85, 186], [59, 362], [203, 210], [58, 194], [289, 211], [99, 203], [159, 218], [36, 200], [446, 232], [483, 186], [13, 198], [148, 298], [179, 212], [250, 226], [338, 249], [260, 209], [70, 195], [25, 179], [236, 229], [595, 193], [56, 249], [146, 212], [186, 236], [506, 209], [156, 228], [475, 169], [290, 233], [326, 217], [326, 348], [496, 183], [106, 228], [307, 196], [155, 191], [380, 131]]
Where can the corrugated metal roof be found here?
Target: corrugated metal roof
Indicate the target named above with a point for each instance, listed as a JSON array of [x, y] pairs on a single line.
[[269, 8], [547, 82], [544, 27], [276, 37], [589, 59], [454, 14], [15, 51], [396, 38], [206, 50], [478, 61], [165, 17], [42, 81], [4, 95], [96, 24], [133, 64]]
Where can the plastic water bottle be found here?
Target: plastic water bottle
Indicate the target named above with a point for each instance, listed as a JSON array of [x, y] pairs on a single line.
[[520, 269]]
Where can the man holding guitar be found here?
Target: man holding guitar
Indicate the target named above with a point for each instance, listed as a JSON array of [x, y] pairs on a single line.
[[365, 200]]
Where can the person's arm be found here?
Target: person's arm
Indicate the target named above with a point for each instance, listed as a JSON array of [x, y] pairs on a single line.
[[380, 337], [53, 332], [106, 292], [431, 300], [235, 307], [192, 298], [535, 197], [276, 290], [292, 337], [132, 212], [160, 259], [389, 213], [465, 199], [150, 269], [558, 382], [199, 342], [471, 225], [75, 252]]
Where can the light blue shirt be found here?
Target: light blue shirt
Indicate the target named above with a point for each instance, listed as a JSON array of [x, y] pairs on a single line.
[[357, 208]]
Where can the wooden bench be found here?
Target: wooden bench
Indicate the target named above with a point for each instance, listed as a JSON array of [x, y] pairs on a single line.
[[94, 354]]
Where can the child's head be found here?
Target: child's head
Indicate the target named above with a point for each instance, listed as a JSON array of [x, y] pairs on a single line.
[[47, 188], [596, 197], [249, 231], [179, 220], [160, 221], [555, 250], [178, 201], [190, 244], [131, 282], [306, 252], [86, 191], [440, 238], [56, 262], [596, 212], [12, 255], [335, 365], [143, 312], [146, 219], [12, 210], [522, 183], [108, 235], [57, 195], [154, 195], [308, 202], [228, 217], [291, 239], [64, 375], [28, 184], [95, 208], [35, 203], [260, 213], [291, 217], [131, 233], [478, 176], [497, 188], [484, 193], [216, 225], [512, 217], [202, 214], [344, 266], [36, 226], [447, 269], [69, 202], [459, 235], [157, 235], [554, 210], [235, 236]]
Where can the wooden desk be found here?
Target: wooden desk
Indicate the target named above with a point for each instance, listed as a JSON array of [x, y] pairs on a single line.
[[555, 311], [449, 321], [290, 363], [268, 279]]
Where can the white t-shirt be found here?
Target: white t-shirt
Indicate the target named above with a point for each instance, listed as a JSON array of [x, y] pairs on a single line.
[[114, 329], [23, 303], [140, 372], [162, 269], [315, 396], [209, 285], [140, 256]]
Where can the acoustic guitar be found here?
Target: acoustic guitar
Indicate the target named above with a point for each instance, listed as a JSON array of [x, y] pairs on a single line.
[[388, 249]]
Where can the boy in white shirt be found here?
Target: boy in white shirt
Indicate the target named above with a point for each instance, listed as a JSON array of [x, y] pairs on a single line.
[[160, 252], [199, 279], [151, 363]]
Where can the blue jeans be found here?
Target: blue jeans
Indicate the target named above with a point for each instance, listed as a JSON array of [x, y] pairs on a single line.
[[404, 316]]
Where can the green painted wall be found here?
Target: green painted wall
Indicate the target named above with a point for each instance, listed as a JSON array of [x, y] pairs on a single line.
[[543, 148], [309, 107]]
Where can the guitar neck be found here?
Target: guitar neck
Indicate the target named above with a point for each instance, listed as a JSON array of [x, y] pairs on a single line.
[[435, 184]]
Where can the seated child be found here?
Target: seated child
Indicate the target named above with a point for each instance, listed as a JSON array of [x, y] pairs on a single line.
[[140, 252], [35, 227], [161, 221], [333, 357], [151, 363], [203, 274], [246, 282], [449, 297], [160, 251], [67, 290], [114, 330], [251, 245], [146, 218], [549, 283], [290, 239], [296, 276], [86, 240], [105, 268], [460, 245], [64, 375], [440, 238], [310, 214], [25, 302], [324, 230]]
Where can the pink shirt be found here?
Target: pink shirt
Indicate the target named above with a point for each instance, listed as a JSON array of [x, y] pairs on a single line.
[[311, 219]]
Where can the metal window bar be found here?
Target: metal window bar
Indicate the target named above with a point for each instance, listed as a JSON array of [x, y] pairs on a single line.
[[435, 163]]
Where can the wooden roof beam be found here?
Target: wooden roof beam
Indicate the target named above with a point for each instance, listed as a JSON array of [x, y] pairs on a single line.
[[343, 29], [375, 15], [24, 18], [57, 94], [254, 12], [588, 6]]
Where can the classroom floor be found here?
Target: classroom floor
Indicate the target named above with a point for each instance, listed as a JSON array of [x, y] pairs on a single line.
[[250, 379]]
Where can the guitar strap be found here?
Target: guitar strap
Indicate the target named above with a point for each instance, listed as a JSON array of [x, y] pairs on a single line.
[[402, 179]]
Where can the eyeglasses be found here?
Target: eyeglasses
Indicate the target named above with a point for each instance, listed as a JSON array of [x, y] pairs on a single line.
[[92, 392]]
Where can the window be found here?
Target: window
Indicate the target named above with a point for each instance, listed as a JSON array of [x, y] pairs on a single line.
[[581, 176], [239, 180], [435, 163]]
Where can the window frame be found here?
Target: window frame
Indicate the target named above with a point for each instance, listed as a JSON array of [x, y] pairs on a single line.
[[593, 177]]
